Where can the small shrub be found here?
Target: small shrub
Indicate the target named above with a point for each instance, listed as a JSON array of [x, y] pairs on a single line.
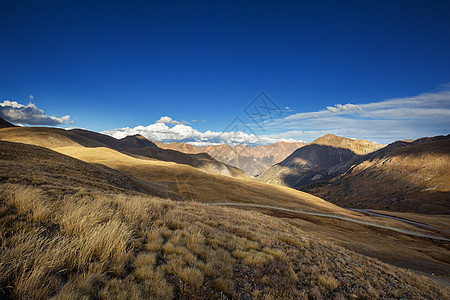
[[327, 281], [145, 259], [191, 275], [224, 285], [256, 258]]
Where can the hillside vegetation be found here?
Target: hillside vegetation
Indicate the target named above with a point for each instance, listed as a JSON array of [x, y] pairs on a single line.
[[120, 226], [53, 138], [99, 245], [194, 185]]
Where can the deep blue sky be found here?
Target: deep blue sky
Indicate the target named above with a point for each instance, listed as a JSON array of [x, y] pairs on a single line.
[[112, 64]]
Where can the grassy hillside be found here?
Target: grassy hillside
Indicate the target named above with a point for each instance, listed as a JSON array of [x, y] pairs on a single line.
[[53, 138], [38, 166], [195, 185], [202, 161], [97, 245], [84, 230], [46, 137]]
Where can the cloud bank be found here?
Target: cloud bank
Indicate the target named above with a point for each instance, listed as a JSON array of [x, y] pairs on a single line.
[[29, 114], [384, 121], [161, 132]]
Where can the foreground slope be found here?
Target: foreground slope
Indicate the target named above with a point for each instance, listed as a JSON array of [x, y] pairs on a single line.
[[101, 239], [324, 158], [404, 176], [34, 165], [253, 160], [319, 272], [55, 137]]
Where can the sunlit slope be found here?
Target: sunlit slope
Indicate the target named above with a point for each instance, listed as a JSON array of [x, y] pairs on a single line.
[[100, 245], [195, 185], [39, 166], [202, 161], [46, 137], [133, 145]]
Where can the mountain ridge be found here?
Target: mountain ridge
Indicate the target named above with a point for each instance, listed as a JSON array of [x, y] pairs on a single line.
[[403, 176], [54, 138], [321, 159], [252, 159]]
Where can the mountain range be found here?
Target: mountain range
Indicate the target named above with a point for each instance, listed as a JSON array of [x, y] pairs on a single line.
[[322, 159], [252, 159], [54, 138], [404, 176], [87, 215]]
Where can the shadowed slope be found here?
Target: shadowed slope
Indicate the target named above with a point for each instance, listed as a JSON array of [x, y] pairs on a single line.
[[134, 141], [412, 177], [324, 158], [5, 124], [202, 161]]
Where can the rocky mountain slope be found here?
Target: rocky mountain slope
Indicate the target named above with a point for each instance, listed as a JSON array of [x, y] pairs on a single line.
[[322, 159], [404, 176], [253, 160]]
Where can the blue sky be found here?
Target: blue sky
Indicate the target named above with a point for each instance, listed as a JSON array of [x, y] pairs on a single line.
[[123, 64]]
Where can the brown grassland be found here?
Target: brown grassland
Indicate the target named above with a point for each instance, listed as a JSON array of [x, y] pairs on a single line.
[[77, 230], [97, 245]]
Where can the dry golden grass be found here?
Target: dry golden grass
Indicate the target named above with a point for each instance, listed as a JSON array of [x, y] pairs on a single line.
[[327, 281], [30, 202], [95, 245], [192, 184]]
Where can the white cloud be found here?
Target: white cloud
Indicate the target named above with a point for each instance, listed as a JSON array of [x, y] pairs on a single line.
[[168, 120], [29, 114], [346, 107], [186, 134], [384, 121]]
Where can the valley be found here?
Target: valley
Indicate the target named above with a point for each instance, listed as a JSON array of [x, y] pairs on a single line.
[[57, 164]]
